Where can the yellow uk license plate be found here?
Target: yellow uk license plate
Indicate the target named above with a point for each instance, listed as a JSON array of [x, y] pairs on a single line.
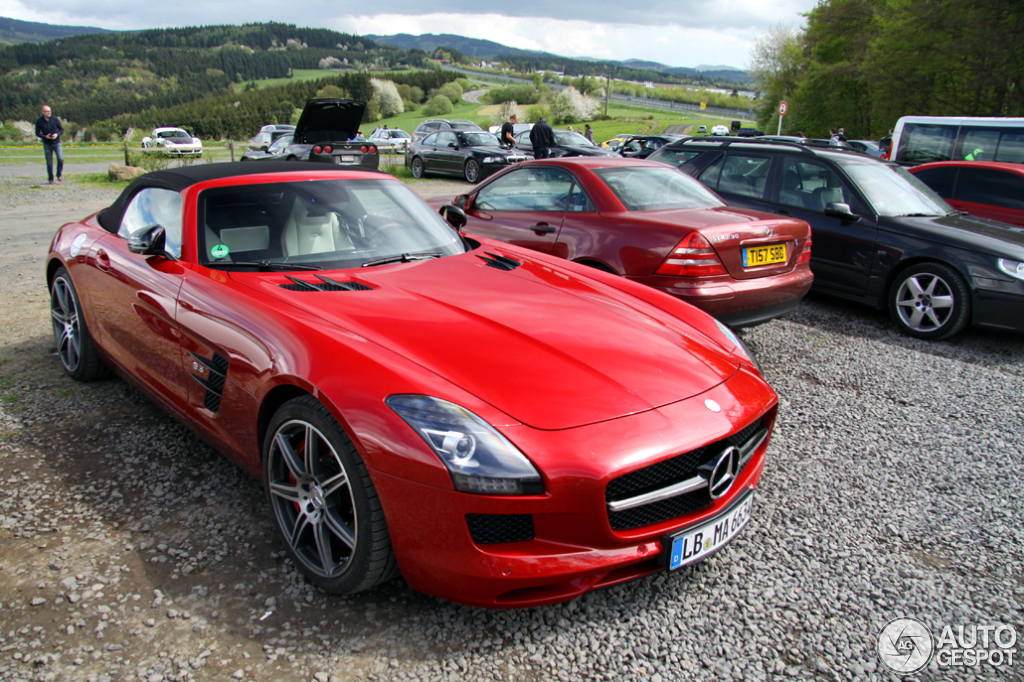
[[764, 255]]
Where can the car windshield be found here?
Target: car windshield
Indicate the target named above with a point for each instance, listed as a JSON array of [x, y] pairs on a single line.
[[328, 224], [480, 139], [892, 191], [642, 188], [174, 134], [564, 137]]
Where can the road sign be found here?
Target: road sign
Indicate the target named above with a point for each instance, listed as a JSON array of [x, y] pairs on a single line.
[[703, 105], [782, 108]]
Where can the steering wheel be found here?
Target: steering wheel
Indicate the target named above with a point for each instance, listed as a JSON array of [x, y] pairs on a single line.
[[382, 232]]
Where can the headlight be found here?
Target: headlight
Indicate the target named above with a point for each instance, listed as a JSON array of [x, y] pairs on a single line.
[[494, 159], [478, 458], [1012, 268], [740, 346]]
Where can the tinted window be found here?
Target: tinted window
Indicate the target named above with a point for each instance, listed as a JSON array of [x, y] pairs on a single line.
[[979, 144], [810, 185], [675, 157], [480, 139], [642, 188], [445, 138], [528, 189], [920, 143], [153, 206], [992, 187], [579, 202], [430, 140], [939, 179], [280, 143], [1011, 147], [711, 174], [745, 174]]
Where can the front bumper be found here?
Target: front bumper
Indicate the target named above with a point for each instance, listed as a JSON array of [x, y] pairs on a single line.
[[573, 548], [998, 305], [739, 302]]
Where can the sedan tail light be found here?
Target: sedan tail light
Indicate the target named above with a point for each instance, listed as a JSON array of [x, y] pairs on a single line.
[[692, 257], [805, 255]]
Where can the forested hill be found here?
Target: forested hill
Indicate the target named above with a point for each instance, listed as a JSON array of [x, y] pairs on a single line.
[[91, 78], [14, 31]]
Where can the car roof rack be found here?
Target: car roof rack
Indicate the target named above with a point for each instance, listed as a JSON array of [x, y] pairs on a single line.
[[745, 140]]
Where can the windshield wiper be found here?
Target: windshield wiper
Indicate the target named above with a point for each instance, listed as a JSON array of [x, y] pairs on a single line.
[[915, 215], [267, 265], [404, 258]]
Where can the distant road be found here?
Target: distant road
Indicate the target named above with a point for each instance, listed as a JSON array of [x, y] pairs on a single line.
[[717, 112], [473, 96]]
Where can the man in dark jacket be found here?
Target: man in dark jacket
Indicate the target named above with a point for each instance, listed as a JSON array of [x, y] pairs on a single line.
[[508, 129], [542, 137], [49, 130]]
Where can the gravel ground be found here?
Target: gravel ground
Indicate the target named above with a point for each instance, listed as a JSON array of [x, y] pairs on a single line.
[[132, 551]]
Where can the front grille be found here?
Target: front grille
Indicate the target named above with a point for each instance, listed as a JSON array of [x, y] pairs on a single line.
[[491, 529], [667, 473]]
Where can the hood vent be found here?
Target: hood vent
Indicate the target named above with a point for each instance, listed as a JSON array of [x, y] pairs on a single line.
[[325, 284], [500, 262]]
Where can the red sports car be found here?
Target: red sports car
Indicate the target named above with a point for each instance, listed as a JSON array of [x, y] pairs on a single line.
[[661, 228], [502, 427], [987, 189]]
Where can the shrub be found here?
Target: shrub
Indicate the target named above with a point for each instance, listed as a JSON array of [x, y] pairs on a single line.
[[569, 106], [330, 92], [385, 93], [534, 113], [524, 94], [464, 84], [416, 94], [505, 112], [438, 106], [452, 91]]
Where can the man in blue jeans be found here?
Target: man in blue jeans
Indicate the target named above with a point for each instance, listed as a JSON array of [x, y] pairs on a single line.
[[49, 130]]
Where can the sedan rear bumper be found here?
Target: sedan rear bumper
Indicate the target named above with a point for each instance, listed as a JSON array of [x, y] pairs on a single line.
[[739, 303]]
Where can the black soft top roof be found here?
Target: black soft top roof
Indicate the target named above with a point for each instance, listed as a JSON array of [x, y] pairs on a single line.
[[177, 179]]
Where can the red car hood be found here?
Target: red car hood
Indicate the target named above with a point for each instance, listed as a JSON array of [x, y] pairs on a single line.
[[547, 347]]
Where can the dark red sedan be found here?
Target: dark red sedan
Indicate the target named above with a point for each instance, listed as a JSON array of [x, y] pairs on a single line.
[[987, 189], [661, 228], [502, 427]]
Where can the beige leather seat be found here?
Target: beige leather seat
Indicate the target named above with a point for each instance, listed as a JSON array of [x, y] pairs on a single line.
[[306, 233]]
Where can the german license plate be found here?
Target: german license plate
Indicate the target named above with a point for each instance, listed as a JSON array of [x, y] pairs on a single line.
[[764, 255], [694, 544]]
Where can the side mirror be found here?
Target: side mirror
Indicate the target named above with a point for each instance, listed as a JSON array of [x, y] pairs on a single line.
[[454, 145], [837, 209], [462, 201], [455, 216], [264, 147], [150, 241]]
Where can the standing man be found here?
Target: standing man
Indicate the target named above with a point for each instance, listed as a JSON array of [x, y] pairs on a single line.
[[589, 133], [507, 136], [49, 130], [542, 137]]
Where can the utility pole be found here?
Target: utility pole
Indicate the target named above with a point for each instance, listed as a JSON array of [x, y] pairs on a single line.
[[607, 91]]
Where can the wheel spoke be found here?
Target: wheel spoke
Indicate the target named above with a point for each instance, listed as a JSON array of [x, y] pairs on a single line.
[[942, 301], [930, 290], [914, 286], [285, 491], [291, 458], [301, 523], [311, 451], [334, 483], [323, 547], [933, 318], [915, 319], [340, 528], [59, 315]]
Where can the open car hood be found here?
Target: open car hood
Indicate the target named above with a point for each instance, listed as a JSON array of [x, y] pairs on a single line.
[[329, 120], [548, 347]]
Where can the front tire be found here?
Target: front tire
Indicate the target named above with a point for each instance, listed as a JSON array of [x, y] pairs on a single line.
[[930, 301], [417, 167], [324, 504], [74, 343], [472, 171]]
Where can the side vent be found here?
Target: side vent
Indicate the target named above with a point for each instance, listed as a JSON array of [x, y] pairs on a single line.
[[500, 262], [325, 284], [211, 375]]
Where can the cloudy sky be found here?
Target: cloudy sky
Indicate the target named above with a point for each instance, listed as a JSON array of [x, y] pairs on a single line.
[[681, 33]]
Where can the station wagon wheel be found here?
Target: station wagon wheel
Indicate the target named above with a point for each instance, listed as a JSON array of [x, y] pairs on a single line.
[[472, 171], [417, 167], [74, 343], [323, 501], [930, 301]]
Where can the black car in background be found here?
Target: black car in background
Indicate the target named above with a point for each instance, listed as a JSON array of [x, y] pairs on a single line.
[[432, 125], [642, 146], [472, 154], [567, 143], [880, 235], [327, 132]]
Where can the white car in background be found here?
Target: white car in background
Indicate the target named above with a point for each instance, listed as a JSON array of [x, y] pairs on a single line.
[[719, 130], [390, 138], [173, 141]]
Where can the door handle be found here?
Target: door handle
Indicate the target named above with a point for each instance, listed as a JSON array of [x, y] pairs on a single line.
[[543, 228], [102, 260]]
